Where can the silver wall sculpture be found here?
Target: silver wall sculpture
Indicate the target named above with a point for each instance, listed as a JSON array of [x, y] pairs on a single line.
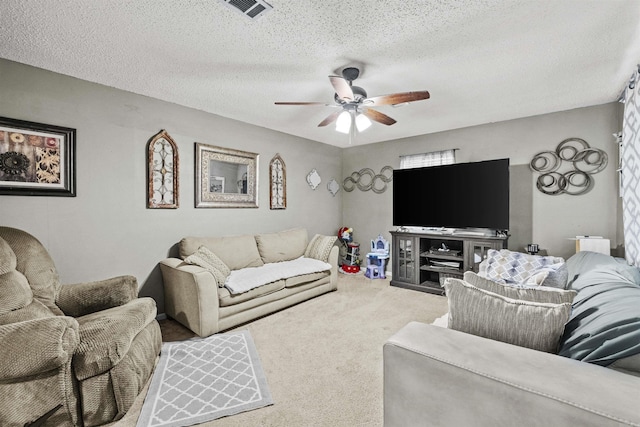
[[569, 169]]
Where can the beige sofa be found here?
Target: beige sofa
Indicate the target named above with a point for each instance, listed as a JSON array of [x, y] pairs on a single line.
[[197, 300]]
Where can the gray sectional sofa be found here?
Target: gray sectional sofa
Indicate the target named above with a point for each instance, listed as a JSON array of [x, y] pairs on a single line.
[[199, 299], [436, 376]]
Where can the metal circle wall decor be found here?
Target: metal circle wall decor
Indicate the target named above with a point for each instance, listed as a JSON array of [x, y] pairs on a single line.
[[366, 179], [584, 160]]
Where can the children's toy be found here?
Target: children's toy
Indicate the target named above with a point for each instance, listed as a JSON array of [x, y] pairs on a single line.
[[351, 263], [377, 258], [350, 251]]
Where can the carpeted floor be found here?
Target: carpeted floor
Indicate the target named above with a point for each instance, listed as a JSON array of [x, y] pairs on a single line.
[[323, 357]]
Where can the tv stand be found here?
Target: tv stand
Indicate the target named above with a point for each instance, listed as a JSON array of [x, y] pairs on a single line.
[[422, 261]]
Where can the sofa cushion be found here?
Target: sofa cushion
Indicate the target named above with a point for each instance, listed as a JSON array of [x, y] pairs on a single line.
[[539, 294], [226, 298], [36, 264], [305, 278], [628, 365], [240, 281], [523, 270], [282, 246], [534, 325], [320, 247], [210, 261], [8, 259], [585, 261], [235, 251], [605, 323], [15, 292]]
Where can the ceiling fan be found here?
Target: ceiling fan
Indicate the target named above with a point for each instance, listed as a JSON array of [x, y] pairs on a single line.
[[356, 107]]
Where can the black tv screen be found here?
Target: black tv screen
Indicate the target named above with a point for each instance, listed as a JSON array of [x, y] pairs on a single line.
[[460, 195]]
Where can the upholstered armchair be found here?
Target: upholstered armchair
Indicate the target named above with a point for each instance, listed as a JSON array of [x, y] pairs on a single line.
[[70, 355]]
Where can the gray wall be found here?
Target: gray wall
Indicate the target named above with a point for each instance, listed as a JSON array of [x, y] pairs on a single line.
[[554, 219], [106, 230]]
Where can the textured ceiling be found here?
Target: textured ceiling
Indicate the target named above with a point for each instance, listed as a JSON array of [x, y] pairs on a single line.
[[482, 60]]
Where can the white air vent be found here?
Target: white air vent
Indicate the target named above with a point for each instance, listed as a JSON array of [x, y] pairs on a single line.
[[253, 9]]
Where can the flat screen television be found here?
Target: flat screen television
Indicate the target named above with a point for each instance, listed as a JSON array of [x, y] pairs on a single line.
[[460, 195]]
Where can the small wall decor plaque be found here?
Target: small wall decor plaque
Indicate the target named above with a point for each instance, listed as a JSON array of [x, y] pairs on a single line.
[[568, 169], [162, 167], [36, 159], [333, 187], [313, 179]]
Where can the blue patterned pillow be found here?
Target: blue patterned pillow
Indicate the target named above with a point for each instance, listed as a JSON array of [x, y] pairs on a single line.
[[523, 270]]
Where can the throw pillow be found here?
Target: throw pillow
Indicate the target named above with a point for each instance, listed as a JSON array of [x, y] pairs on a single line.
[[523, 270], [539, 294], [534, 325], [320, 247], [206, 259]]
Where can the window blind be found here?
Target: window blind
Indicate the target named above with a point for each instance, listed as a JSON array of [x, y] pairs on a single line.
[[434, 158]]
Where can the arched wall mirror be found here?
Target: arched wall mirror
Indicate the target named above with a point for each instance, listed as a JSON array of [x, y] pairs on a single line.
[[162, 168], [226, 178]]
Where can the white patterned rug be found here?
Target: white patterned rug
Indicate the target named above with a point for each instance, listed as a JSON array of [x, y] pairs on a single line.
[[203, 379]]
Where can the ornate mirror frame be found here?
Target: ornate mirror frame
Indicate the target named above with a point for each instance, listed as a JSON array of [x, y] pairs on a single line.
[[277, 183], [162, 168], [206, 157]]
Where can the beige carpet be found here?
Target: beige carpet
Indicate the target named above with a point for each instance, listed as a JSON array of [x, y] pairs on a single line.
[[323, 357]]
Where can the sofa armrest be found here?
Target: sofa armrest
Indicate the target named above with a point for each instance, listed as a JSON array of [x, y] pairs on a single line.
[[191, 296], [36, 346], [443, 377], [83, 298]]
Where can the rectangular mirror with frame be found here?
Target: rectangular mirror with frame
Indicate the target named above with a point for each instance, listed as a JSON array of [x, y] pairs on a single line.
[[225, 178]]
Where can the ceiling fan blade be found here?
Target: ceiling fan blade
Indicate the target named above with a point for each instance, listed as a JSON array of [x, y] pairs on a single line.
[[301, 103], [342, 88], [330, 119], [378, 117], [397, 98]]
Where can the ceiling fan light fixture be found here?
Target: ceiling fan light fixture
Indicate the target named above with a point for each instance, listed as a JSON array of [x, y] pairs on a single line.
[[343, 123], [362, 122]]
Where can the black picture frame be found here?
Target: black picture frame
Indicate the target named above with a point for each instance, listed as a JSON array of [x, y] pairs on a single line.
[[36, 159]]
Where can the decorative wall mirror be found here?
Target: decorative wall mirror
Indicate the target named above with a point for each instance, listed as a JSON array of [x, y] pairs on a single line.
[[162, 167], [226, 178], [278, 183]]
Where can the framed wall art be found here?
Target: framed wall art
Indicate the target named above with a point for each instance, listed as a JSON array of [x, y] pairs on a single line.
[[278, 183], [36, 159], [225, 178], [162, 167]]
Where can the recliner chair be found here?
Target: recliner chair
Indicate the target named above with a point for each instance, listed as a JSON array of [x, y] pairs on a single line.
[[71, 355]]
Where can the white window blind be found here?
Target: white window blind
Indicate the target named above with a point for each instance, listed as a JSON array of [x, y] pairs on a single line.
[[434, 158]]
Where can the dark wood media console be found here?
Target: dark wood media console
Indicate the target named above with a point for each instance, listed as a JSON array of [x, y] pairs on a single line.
[[421, 261]]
